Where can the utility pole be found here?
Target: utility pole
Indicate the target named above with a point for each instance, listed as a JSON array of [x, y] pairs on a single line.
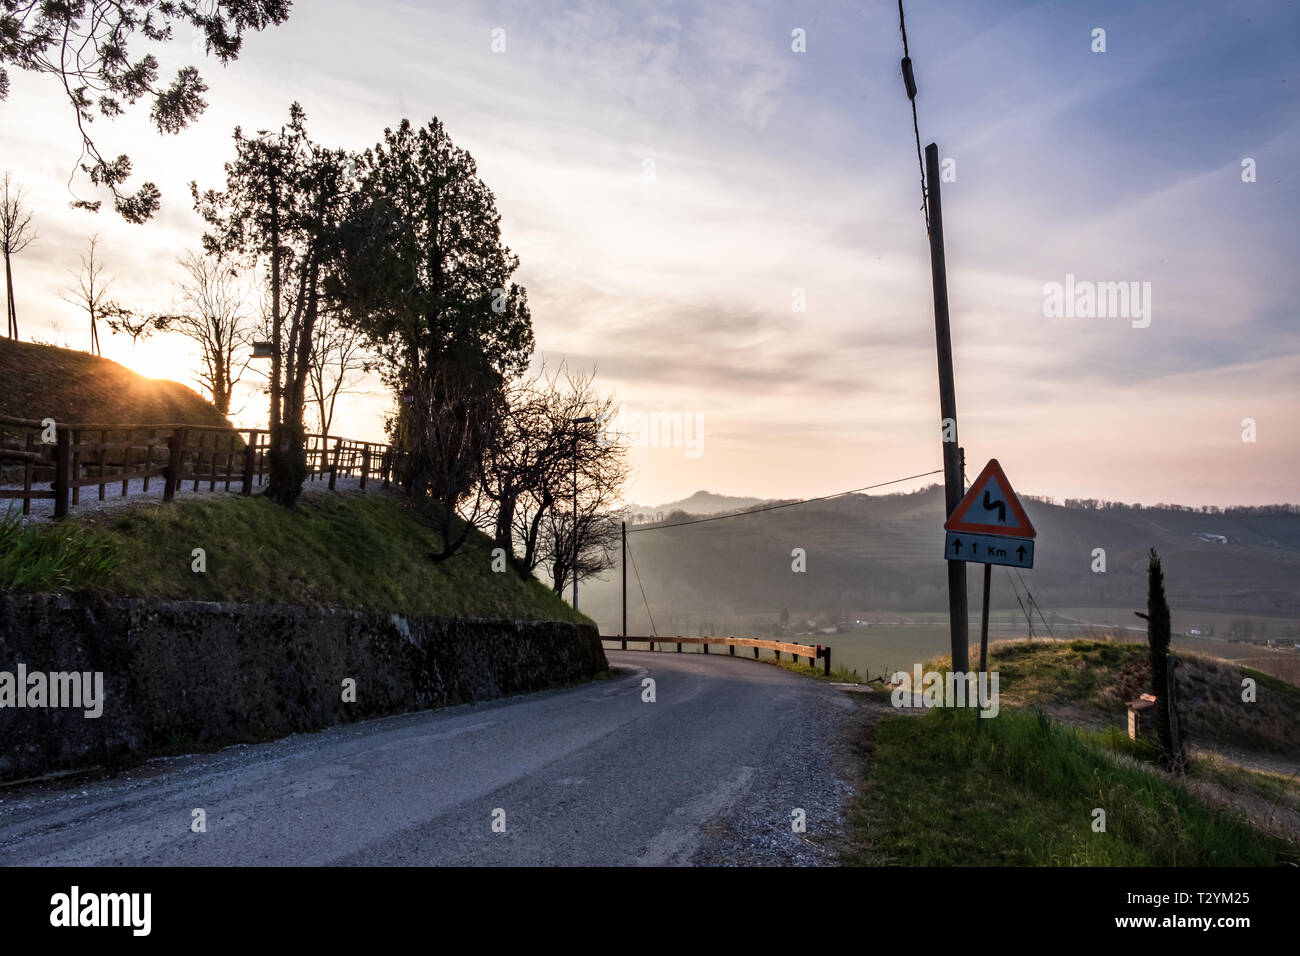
[[624, 566], [575, 422], [953, 483]]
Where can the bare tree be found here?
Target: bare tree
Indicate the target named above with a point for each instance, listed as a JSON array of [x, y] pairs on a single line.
[[539, 458], [213, 314], [16, 234], [91, 293], [337, 363]]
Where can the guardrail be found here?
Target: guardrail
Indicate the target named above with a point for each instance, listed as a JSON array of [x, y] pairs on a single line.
[[796, 651], [100, 455]]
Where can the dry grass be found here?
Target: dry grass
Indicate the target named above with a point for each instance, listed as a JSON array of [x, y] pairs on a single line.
[[41, 381]]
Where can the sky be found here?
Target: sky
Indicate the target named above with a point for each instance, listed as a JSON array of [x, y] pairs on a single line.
[[729, 229]]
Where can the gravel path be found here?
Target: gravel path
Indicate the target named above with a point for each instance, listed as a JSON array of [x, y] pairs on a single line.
[[43, 508]]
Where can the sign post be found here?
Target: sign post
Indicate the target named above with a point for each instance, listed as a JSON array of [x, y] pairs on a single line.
[[989, 527]]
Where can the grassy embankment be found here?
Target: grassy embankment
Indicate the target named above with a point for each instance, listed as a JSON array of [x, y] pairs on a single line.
[[1023, 789], [344, 550]]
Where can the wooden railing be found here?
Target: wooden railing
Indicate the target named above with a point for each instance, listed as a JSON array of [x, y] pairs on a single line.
[[796, 651], [103, 455]]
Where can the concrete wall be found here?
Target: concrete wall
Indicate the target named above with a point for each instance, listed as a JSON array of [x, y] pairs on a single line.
[[183, 674]]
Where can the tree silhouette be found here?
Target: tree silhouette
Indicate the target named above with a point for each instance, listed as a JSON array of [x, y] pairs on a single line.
[[91, 293], [428, 279], [16, 234], [285, 199], [83, 44]]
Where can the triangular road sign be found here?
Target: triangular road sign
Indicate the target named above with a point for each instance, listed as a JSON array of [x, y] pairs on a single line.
[[991, 507]]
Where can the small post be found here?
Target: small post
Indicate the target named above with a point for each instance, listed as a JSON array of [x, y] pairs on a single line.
[[679, 647], [334, 468], [1179, 759], [62, 469], [732, 648], [984, 621], [175, 451], [250, 451], [755, 652], [624, 631], [365, 466], [827, 671]]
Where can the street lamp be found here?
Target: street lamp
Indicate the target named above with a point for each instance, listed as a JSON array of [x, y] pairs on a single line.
[[584, 420]]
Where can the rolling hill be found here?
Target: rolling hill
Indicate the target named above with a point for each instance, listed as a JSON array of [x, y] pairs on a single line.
[[870, 553], [43, 381]]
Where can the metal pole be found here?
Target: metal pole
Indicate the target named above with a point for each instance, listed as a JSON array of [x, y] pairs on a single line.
[[575, 517], [952, 477], [984, 621], [624, 631]]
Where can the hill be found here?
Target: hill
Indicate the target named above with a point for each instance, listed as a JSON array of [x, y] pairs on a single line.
[[43, 381], [875, 553], [700, 503], [348, 550]]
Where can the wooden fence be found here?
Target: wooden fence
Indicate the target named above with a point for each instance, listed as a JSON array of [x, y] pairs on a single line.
[[795, 651], [180, 457]]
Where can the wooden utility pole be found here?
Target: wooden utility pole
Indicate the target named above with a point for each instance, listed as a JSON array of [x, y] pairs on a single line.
[[953, 484]]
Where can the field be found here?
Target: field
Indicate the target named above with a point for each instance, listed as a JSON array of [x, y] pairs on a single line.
[[897, 640]]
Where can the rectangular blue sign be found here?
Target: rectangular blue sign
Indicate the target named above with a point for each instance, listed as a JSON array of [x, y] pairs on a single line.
[[989, 549]]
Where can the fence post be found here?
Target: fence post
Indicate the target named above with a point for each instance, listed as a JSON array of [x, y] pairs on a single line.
[[755, 653], [365, 464], [250, 452], [334, 467], [175, 450], [62, 469], [827, 671]]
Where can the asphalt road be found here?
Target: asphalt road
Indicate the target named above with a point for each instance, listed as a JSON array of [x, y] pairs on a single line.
[[709, 773]]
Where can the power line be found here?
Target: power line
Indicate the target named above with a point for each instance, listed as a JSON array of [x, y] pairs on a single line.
[[911, 95], [788, 504], [1034, 605], [1028, 617], [643, 600]]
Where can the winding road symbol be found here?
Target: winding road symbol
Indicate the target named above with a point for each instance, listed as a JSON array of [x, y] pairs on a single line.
[[1001, 506]]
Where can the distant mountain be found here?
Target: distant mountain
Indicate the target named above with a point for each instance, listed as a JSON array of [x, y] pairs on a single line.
[[700, 503]]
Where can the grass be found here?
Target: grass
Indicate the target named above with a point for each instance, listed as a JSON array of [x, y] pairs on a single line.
[[1022, 792], [1094, 680], [839, 675], [1270, 785], [50, 557], [341, 550]]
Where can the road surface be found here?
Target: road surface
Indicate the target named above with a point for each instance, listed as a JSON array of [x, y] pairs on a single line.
[[711, 772]]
